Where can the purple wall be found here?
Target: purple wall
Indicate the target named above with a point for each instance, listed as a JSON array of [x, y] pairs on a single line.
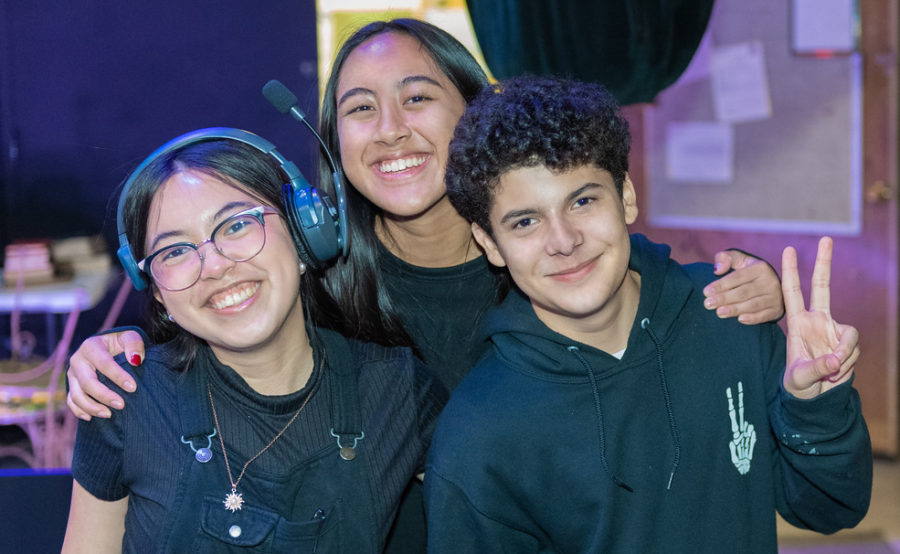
[[87, 89]]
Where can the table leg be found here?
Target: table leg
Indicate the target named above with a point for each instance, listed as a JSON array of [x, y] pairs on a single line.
[[51, 333]]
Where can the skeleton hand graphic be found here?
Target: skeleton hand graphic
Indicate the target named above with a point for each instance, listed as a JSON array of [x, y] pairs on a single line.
[[743, 433]]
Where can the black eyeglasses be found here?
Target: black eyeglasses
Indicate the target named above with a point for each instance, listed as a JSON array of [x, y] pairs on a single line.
[[239, 238]]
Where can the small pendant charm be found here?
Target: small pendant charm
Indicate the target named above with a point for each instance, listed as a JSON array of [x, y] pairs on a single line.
[[203, 455], [233, 501]]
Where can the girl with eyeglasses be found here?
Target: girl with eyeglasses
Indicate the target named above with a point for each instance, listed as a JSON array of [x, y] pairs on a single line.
[[252, 428]]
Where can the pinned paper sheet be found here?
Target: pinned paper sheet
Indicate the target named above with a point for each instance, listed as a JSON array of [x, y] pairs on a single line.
[[823, 26], [740, 89], [700, 151]]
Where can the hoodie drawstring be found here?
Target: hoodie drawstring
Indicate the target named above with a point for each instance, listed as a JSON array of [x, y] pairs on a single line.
[[596, 392], [673, 428]]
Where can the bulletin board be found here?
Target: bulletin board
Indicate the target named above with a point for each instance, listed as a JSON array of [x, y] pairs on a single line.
[[797, 169]]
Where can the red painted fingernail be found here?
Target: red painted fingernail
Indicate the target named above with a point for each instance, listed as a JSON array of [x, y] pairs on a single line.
[[135, 359]]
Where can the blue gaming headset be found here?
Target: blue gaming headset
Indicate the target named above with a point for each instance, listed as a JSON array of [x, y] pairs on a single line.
[[318, 229]]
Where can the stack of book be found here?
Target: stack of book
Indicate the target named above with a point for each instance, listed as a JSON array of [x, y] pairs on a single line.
[[83, 254], [29, 261], [42, 261]]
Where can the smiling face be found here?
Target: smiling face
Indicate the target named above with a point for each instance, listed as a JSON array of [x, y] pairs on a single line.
[[234, 306], [563, 237], [396, 113]]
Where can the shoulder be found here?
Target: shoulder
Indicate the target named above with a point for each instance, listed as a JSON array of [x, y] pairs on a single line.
[[483, 400], [663, 274], [371, 353], [398, 371], [163, 356], [158, 373], [482, 427], [695, 317], [375, 365], [699, 273], [344, 352], [156, 356], [367, 357]]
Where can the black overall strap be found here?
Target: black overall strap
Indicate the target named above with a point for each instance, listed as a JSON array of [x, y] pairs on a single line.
[[344, 372], [197, 429], [198, 433]]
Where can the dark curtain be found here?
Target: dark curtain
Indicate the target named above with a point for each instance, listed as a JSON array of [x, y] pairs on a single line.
[[636, 48]]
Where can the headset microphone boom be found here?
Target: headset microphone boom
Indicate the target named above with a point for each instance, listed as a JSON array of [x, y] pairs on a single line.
[[286, 102]]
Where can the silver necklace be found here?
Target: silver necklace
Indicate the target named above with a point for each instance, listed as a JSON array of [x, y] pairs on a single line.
[[234, 500]]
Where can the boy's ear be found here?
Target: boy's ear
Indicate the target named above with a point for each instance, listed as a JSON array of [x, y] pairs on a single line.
[[629, 200], [488, 245]]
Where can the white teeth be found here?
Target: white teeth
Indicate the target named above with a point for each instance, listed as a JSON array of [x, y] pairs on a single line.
[[394, 166], [235, 297]]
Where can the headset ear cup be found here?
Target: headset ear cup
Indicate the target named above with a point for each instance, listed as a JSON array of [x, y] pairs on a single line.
[[126, 258], [312, 225], [302, 249]]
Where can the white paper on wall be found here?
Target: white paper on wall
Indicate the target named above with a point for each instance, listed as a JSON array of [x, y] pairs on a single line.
[[740, 89], [700, 151], [823, 26]]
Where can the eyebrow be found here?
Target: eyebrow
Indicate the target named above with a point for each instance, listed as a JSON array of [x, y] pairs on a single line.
[[405, 82], [226, 209], [515, 214], [581, 190]]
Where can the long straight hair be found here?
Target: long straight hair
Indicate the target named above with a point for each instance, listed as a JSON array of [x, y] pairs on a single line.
[[354, 282]]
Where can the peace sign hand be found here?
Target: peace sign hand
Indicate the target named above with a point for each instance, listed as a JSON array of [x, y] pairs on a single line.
[[821, 353]]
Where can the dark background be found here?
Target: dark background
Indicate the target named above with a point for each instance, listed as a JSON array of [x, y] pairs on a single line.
[[90, 88]]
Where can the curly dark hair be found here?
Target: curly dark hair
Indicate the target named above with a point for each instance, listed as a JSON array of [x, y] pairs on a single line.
[[530, 121]]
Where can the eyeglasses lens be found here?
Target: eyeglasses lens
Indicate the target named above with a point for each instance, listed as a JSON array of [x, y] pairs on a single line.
[[238, 238]]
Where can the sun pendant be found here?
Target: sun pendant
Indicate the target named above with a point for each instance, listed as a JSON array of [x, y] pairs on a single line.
[[233, 501]]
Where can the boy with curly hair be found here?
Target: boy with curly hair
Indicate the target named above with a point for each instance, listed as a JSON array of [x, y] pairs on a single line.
[[614, 413]]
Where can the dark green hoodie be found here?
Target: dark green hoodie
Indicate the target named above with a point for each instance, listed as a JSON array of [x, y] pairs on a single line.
[[687, 444]]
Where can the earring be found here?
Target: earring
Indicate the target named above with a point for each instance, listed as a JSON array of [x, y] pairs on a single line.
[[170, 318], [302, 268]]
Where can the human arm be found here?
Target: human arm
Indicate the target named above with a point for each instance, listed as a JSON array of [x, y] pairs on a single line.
[[467, 508], [87, 396], [825, 475], [94, 525], [750, 289], [99, 495], [456, 525]]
